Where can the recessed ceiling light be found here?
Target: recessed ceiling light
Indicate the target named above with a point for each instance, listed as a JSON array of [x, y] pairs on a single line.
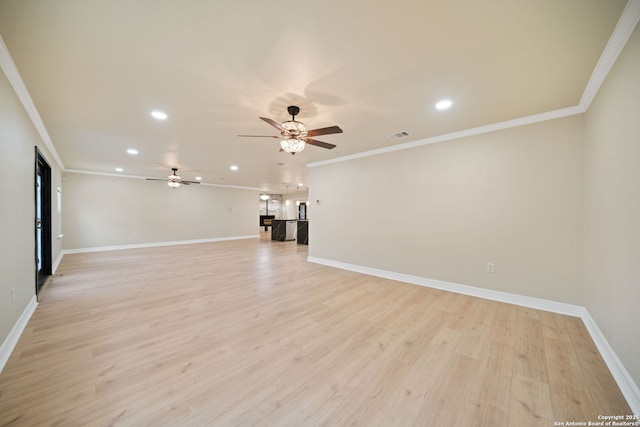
[[119, 170], [132, 151], [198, 178], [159, 115], [444, 104], [233, 167], [300, 185]]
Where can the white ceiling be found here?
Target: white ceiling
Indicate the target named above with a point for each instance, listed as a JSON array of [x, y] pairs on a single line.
[[96, 69]]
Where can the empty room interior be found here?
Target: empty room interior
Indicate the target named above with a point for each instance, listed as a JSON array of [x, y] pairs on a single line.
[[320, 213]]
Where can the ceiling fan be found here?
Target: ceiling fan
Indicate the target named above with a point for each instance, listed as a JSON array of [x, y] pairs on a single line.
[[174, 180], [294, 134]]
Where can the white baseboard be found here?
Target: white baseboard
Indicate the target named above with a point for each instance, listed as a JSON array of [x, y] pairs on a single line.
[[151, 245], [537, 303], [56, 263], [14, 335], [626, 384]]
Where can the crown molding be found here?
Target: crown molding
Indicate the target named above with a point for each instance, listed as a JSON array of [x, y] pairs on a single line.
[[521, 121], [625, 26], [119, 175], [115, 175], [13, 75]]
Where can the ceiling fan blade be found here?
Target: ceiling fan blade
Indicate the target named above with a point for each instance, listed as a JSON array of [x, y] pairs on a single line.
[[324, 131], [319, 143], [273, 123], [189, 182], [156, 179], [259, 136]]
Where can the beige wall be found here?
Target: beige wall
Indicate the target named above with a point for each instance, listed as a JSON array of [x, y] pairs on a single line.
[[442, 211], [111, 211], [18, 138], [612, 207]]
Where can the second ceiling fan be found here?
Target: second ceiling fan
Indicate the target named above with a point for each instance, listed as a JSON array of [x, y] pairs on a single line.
[[294, 134], [174, 180]]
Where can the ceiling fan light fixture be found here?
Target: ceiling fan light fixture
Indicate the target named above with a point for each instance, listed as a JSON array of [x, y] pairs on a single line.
[[174, 179], [292, 145], [294, 127], [294, 134]]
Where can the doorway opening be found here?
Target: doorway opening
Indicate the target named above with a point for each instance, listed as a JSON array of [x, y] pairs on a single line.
[[42, 220], [302, 210]]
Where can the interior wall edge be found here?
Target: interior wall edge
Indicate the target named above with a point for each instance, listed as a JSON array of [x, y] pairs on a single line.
[[12, 339], [625, 382]]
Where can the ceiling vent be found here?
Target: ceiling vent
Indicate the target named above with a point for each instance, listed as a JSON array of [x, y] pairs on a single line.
[[399, 135]]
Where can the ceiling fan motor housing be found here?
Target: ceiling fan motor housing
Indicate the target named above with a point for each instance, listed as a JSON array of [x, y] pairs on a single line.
[[293, 110]]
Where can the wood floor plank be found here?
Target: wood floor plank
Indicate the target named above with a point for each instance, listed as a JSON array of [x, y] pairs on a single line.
[[488, 401], [249, 333], [601, 383], [530, 358], [570, 394], [530, 403]]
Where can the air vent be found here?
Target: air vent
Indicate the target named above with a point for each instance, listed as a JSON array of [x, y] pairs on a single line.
[[399, 135]]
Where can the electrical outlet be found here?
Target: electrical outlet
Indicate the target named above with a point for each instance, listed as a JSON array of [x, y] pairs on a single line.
[[13, 293], [490, 267]]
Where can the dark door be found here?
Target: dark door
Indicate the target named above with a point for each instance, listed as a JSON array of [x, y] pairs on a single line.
[[42, 220]]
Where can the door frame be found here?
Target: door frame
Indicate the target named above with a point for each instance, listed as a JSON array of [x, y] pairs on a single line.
[[43, 169]]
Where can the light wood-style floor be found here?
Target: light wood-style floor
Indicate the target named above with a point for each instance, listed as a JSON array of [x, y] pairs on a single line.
[[249, 333]]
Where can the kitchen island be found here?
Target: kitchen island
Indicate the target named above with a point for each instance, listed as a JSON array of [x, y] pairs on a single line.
[[283, 230], [303, 232]]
